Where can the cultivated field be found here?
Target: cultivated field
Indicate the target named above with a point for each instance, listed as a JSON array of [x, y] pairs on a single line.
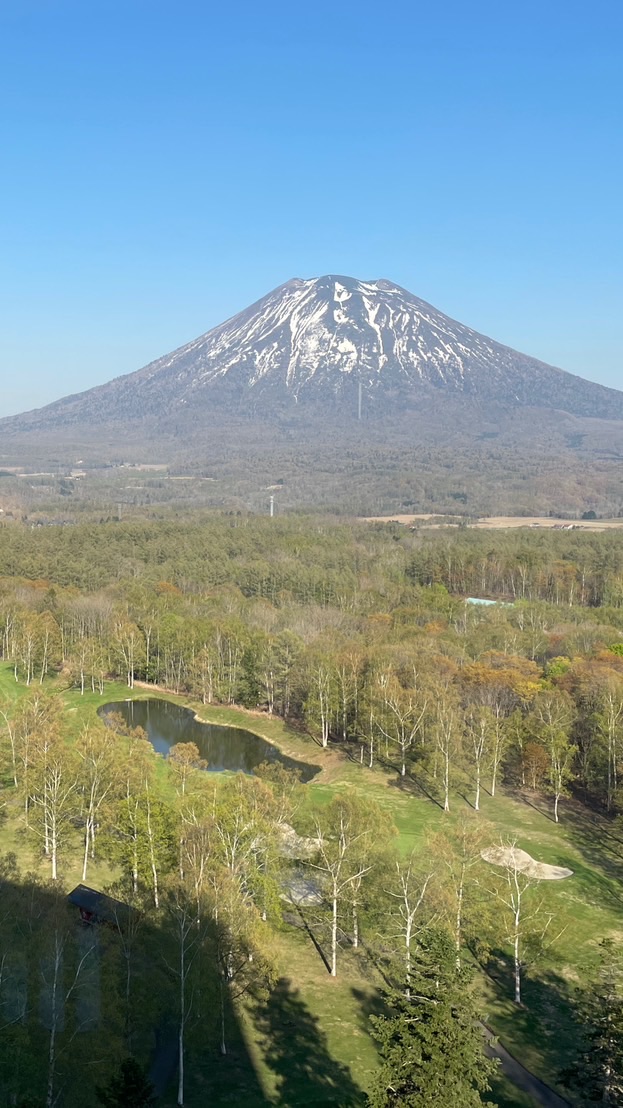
[[497, 523]]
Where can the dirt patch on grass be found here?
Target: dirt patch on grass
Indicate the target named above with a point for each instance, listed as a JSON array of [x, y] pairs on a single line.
[[511, 857]]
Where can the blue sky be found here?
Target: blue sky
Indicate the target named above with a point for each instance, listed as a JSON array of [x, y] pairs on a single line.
[[165, 164]]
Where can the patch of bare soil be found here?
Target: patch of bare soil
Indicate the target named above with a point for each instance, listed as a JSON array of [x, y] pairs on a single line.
[[400, 518], [498, 523], [511, 857]]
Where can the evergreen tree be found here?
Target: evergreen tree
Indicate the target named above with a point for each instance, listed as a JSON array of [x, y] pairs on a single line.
[[597, 1073], [129, 1089], [431, 1046]]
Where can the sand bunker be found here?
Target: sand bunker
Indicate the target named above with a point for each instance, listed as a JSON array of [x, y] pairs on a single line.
[[296, 846], [512, 857]]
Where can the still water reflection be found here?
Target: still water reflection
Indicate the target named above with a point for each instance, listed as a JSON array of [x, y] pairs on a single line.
[[224, 748]]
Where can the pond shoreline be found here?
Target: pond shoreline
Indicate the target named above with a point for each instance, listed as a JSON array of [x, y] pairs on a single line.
[[228, 746], [289, 745]]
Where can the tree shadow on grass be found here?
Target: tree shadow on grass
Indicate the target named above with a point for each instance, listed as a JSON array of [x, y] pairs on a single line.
[[319, 950], [297, 1052], [541, 804], [297, 918], [592, 837], [595, 880], [376, 966], [415, 786], [545, 1019], [463, 795], [370, 1004]]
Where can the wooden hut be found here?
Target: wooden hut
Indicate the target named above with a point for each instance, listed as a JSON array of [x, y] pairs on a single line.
[[96, 907]]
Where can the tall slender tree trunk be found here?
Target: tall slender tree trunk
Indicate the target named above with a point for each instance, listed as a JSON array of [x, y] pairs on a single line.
[[458, 923], [334, 936], [408, 935], [11, 734], [152, 854], [355, 926], [180, 1078], [446, 781], [223, 1043], [85, 857], [517, 964], [128, 993], [53, 849], [135, 863], [50, 1098]]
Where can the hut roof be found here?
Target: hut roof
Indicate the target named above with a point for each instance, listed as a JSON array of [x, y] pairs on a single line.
[[98, 905]]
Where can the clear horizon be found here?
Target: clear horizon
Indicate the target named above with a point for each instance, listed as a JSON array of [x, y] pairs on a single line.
[[165, 169]]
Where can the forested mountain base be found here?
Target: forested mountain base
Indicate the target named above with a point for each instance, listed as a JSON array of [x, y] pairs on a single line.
[[467, 459], [442, 730]]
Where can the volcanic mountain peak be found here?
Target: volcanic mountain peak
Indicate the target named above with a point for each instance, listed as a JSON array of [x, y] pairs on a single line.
[[316, 339], [332, 325], [323, 341]]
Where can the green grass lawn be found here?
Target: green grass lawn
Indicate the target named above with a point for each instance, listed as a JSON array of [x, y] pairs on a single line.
[[327, 1019], [10, 689]]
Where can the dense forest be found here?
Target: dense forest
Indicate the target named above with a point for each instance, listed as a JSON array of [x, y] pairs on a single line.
[[316, 559], [358, 634], [536, 467], [360, 637]]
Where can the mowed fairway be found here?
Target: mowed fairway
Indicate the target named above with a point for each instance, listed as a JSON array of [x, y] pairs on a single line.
[[311, 1016]]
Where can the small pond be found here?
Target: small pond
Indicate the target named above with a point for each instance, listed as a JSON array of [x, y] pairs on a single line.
[[224, 748]]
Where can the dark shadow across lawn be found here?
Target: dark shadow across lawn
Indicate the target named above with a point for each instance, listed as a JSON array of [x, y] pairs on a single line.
[[297, 1053]]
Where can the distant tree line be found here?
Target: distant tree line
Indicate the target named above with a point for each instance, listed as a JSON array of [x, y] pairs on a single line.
[[306, 560]]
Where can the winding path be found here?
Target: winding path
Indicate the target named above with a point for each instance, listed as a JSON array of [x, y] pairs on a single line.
[[521, 1077]]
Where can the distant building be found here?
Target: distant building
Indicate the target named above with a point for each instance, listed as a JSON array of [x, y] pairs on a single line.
[[480, 600]]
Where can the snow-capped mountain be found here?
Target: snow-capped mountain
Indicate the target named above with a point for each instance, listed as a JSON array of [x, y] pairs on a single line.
[[331, 340]]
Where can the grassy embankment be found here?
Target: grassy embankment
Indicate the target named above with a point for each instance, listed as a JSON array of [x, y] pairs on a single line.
[[319, 1026]]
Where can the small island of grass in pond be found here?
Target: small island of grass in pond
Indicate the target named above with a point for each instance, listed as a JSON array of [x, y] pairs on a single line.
[[224, 748]]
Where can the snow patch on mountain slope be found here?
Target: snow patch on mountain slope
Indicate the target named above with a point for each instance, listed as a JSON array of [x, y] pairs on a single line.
[[319, 338], [308, 328]]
